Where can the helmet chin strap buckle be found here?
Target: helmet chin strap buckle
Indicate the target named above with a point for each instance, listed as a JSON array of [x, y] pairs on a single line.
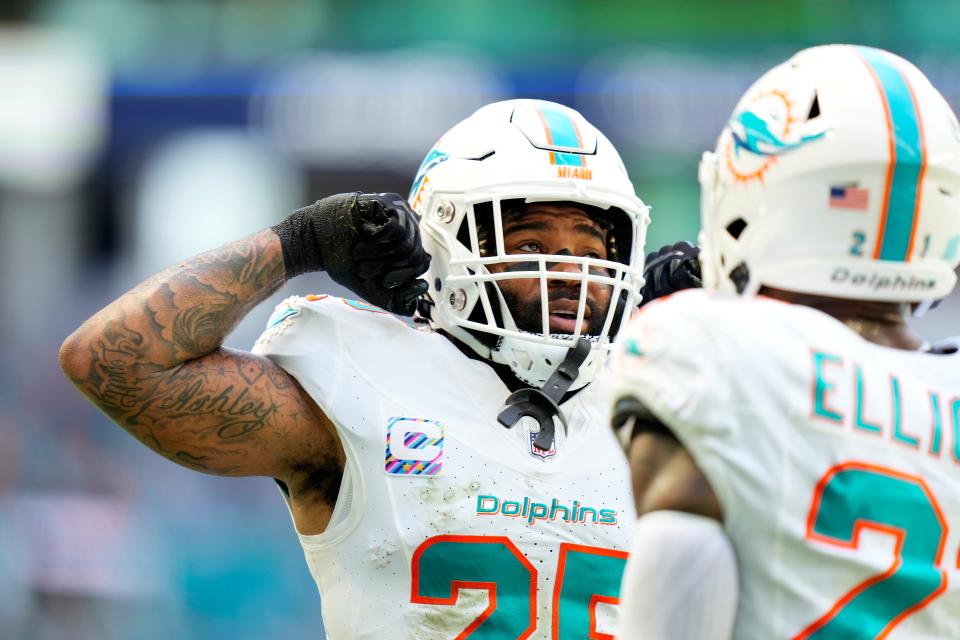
[[543, 404]]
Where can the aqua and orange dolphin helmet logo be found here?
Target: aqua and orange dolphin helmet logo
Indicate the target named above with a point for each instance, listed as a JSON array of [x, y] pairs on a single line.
[[433, 158], [761, 133]]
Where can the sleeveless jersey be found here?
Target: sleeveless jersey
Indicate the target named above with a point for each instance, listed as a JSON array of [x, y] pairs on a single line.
[[449, 525], [836, 461]]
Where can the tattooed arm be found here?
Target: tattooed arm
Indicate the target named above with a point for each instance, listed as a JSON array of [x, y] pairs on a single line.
[[152, 360]]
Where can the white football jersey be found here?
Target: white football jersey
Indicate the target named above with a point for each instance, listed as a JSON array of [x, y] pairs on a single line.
[[836, 461], [449, 525]]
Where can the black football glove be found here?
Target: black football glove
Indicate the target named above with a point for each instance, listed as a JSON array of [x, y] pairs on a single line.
[[671, 268], [368, 242]]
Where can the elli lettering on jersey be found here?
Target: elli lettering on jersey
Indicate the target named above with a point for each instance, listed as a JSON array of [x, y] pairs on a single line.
[[840, 389]]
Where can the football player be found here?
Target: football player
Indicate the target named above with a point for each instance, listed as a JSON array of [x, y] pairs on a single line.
[[791, 435], [457, 480]]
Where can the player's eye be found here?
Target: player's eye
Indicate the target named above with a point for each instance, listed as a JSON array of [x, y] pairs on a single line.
[[529, 247]]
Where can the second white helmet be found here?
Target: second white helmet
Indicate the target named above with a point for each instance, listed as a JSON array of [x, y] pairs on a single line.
[[839, 175]]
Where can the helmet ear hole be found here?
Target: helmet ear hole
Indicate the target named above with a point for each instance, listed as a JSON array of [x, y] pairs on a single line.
[[740, 276], [814, 108], [736, 227]]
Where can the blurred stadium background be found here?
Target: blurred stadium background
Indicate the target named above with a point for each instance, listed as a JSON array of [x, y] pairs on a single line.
[[136, 132]]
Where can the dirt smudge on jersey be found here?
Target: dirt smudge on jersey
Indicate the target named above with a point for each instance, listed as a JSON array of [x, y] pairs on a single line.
[[446, 621], [382, 552]]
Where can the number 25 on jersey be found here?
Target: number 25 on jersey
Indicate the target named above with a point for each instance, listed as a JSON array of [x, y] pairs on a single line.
[[586, 576]]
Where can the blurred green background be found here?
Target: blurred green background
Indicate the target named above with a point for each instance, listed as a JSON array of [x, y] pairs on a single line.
[[136, 132]]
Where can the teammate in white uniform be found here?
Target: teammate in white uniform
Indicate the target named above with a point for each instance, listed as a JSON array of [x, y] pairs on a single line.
[[430, 500], [809, 420]]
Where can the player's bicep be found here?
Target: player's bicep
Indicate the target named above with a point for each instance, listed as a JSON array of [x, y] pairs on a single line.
[[230, 413]]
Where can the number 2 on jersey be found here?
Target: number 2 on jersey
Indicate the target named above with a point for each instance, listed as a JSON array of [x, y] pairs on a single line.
[[854, 496], [586, 576]]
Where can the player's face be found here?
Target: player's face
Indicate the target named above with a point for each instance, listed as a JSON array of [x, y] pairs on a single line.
[[555, 230]]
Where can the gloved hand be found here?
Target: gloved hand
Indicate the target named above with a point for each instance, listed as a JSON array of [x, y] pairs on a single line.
[[368, 242], [669, 269]]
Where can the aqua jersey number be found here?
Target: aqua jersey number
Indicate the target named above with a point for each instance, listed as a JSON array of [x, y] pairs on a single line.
[[586, 576], [855, 496], [443, 565]]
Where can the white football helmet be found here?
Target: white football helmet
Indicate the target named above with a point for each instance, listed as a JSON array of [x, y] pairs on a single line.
[[524, 151], [839, 175]]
